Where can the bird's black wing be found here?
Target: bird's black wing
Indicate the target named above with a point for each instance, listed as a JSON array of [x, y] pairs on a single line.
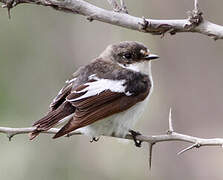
[[61, 96]]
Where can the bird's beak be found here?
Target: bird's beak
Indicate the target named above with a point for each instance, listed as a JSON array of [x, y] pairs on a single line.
[[147, 56], [151, 57]]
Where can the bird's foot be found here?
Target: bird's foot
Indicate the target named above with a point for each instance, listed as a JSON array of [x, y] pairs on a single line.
[[134, 135], [94, 139]]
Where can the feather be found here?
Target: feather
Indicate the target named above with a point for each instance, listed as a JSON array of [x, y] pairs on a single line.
[[52, 118]]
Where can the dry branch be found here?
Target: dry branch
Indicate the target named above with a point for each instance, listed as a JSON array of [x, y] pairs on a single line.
[[171, 135], [194, 23]]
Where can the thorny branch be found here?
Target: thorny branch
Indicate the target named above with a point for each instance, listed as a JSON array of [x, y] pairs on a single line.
[[119, 17], [171, 135], [194, 23]]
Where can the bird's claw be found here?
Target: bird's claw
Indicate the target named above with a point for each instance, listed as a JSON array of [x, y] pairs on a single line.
[[134, 135], [94, 139]]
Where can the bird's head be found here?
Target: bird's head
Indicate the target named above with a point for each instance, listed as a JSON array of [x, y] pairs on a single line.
[[129, 54]]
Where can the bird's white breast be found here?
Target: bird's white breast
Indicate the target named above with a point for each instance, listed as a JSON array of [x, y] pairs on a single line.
[[118, 124]]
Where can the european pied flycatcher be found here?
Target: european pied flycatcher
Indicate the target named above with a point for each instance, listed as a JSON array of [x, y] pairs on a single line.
[[106, 96]]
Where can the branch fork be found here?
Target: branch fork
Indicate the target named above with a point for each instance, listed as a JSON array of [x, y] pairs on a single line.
[[195, 18]]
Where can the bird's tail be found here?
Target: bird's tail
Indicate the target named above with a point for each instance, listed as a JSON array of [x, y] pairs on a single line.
[[51, 119]]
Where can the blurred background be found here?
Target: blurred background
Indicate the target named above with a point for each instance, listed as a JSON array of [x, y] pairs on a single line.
[[39, 50]]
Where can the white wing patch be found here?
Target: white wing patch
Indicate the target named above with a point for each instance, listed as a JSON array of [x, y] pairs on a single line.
[[70, 81], [100, 85]]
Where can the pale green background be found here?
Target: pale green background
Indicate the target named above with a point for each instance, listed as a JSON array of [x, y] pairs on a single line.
[[40, 48]]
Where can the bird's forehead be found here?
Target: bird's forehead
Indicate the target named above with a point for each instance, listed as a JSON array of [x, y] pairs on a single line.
[[137, 47]]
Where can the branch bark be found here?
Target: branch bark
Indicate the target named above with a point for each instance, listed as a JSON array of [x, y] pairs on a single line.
[[171, 135], [194, 23]]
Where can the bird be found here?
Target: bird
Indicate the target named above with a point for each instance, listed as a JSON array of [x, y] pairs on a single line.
[[105, 97]]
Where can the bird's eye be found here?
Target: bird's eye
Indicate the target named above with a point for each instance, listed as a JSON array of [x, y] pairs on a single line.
[[127, 55]]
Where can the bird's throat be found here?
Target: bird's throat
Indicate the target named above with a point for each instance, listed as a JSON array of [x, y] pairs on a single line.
[[142, 67]]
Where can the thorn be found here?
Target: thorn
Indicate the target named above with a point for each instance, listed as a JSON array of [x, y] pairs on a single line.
[[9, 5], [196, 5], [150, 154], [10, 136], [170, 130], [197, 145], [9, 13]]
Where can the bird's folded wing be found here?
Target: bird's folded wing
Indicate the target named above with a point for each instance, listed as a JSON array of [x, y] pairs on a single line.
[[61, 96], [64, 92], [96, 100]]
